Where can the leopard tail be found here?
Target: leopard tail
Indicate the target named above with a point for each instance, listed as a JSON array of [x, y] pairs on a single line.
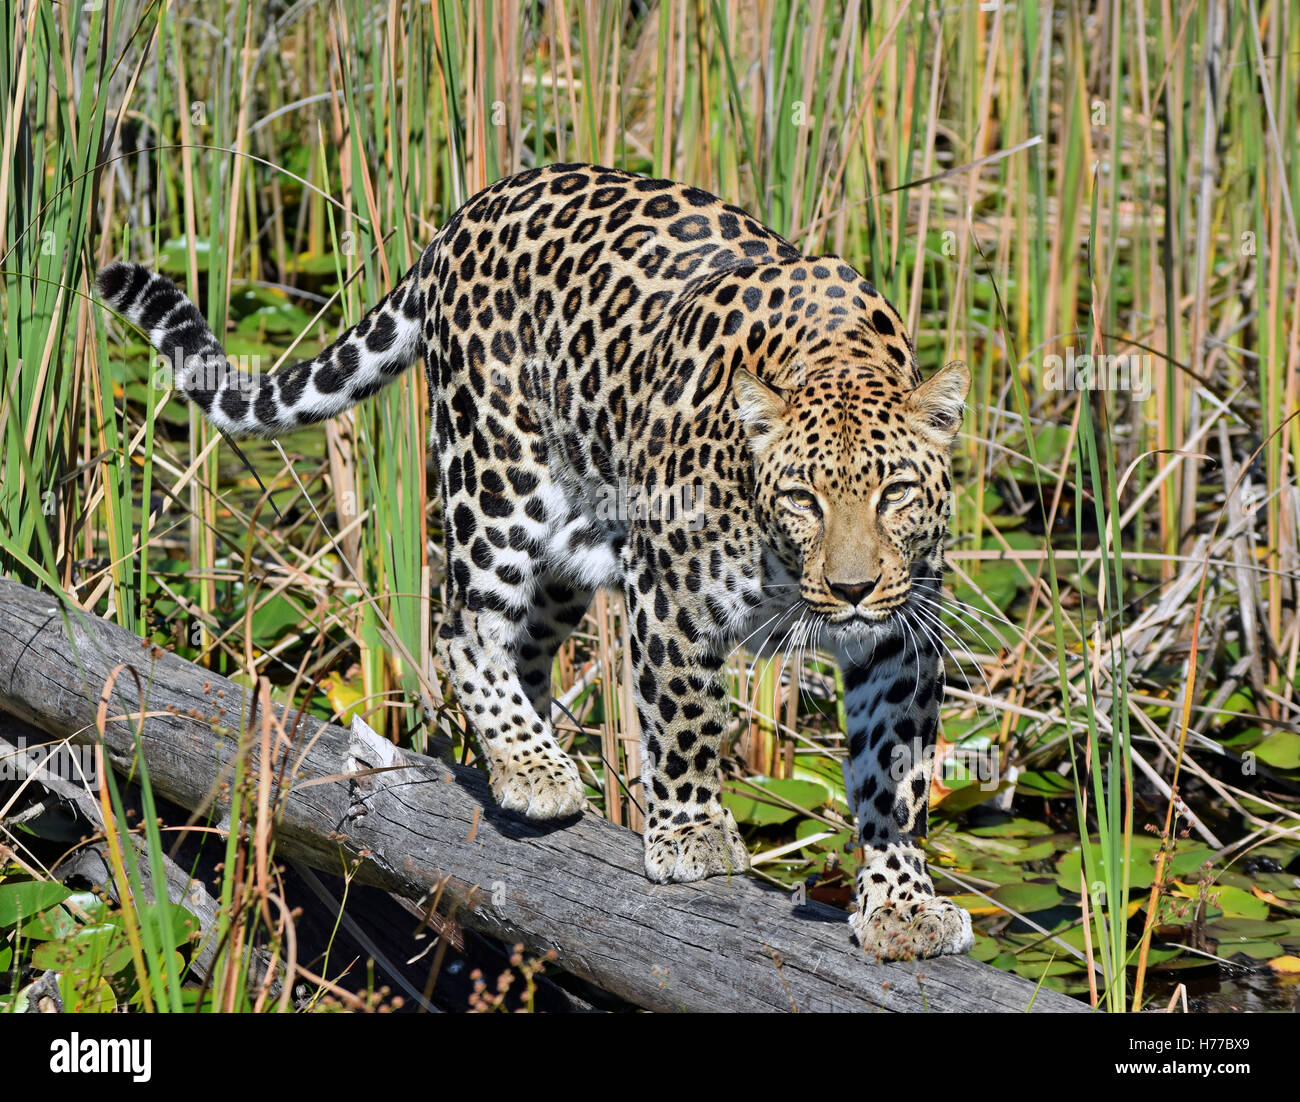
[[239, 398]]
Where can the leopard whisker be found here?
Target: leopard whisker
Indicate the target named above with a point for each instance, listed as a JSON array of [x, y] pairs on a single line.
[[978, 613], [775, 615], [977, 628], [916, 651], [926, 617], [777, 649], [921, 618]]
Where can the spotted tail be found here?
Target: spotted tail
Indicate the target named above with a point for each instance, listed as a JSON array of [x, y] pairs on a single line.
[[243, 402]]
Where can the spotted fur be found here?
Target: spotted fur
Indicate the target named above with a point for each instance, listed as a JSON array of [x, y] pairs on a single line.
[[636, 385]]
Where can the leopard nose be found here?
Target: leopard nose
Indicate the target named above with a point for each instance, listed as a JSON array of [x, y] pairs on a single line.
[[851, 593]]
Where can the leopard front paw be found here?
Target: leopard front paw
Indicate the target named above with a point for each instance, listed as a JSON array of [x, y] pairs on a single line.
[[927, 927], [694, 851], [541, 784]]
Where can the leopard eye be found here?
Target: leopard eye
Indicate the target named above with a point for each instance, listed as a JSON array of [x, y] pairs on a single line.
[[898, 493], [802, 501]]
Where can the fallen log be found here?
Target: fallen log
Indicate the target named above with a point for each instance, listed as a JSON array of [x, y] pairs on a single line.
[[413, 823]]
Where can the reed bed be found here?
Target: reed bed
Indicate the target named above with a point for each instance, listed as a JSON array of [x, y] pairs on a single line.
[[1041, 189]]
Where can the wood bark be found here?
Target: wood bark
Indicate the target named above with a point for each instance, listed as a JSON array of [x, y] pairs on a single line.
[[576, 888]]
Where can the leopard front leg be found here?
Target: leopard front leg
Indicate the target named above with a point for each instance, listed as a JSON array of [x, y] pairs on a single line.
[[892, 706], [681, 698]]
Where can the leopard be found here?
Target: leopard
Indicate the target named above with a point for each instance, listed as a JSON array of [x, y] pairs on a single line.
[[587, 332]]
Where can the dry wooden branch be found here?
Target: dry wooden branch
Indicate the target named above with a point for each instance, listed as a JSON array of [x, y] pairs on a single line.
[[576, 889]]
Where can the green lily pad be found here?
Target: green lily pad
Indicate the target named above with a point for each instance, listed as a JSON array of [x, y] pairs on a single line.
[[837, 843], [1062, 966], [1074, 936], [175, 255], [86, 994], [971, 794], [753, 810], [275, 617], [179, 925], [995, 582], [1001, 849], [1163, 956], [1236, 903], [1241, 929], [1027, 896], [1050, 785], [1187, 860], [49, 925], [1282, 750], [281, 318], [825, 772], [100, 950], [1237, 705], [1281, 884], [28, 897], [1260, 950], [1140, 870], [998, 874], [1014, 850], [1039, 849], [1012, 828]]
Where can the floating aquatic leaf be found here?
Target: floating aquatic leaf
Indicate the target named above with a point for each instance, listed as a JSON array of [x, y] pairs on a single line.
[[1225, 899], [826, 772], [1044, 784], [28, 897], [1027, 896], [1187, 860], [758, 812], [179, 924], [970, 794], [1259, 950], [1010, 873], [101, 950], [50, 924], [836, 843], [83, 994], [1015, 828], [1240, 929], [1140, 870], [1282, 750]]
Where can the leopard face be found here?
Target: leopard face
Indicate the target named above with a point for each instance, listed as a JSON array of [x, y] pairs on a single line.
[[853, 484]]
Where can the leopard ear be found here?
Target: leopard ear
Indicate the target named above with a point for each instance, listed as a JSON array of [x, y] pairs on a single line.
[[937, 405], [760, 406]]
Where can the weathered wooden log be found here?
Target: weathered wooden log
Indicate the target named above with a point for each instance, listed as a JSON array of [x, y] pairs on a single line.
[[576, 888]]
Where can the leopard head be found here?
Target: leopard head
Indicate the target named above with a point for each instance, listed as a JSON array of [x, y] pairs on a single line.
[[853, 484]]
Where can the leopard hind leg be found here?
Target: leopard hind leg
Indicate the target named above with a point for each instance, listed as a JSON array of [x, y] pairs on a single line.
[[559, 607], [486, 647]]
